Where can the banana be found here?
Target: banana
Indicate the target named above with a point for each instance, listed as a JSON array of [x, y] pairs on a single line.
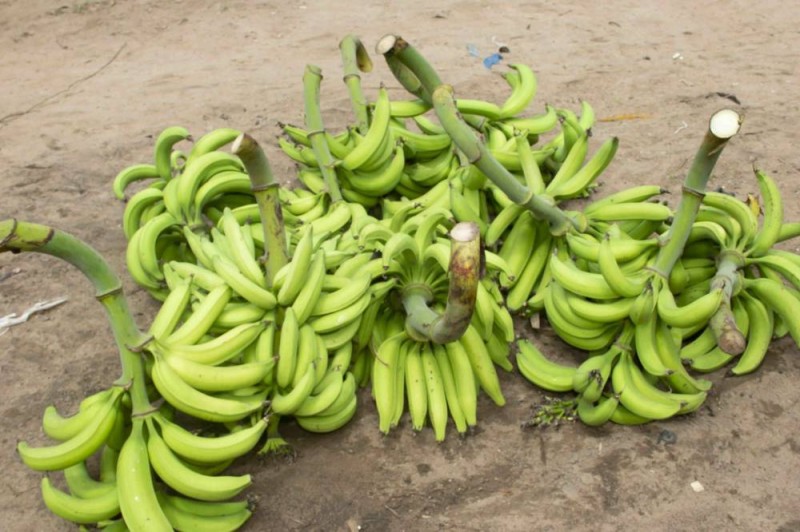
[[76, 509], [323, 395], [699, 311], [212, 141], [332, 421], [243, 286], [80, 446], [215, 351], [788, 231], [646, 348], [624, 285], [596, 413], [199, 404], [309, 294], [582, 180], [738, 211], [210, 450], [602, 312], [201, 319], [630, 211], [437, 399], [296, 269], [242, 255], [482, 364], [137, 497], [623, 416], [590, 378], [416, 387], [586, 284], [541, 371], [307, 355], [343, 297], [344, 335], [83, 486], [128, 175], [397, 244], [287, 349], [189, 514], [287, 404], [522, 95], [784, 263], [62, 428], [180, 477], [197, 172], [171, 310], [335, 320], [571, 164], [783, 302], [163, 149], [227, 378], [384, 371], [378, 182], [518, 247], [758, 336], [378, 130], [133, 218], [638, 395], [532, 272], [464, 380]]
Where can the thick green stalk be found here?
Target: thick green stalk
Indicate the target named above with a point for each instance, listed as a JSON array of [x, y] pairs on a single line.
[[723, 126], [316, 131], [729, 338], [355, 60], [16, 236], [413, 72], [265, 189], [465, 270]]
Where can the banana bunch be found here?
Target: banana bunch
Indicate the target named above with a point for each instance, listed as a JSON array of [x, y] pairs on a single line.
[[410, 252], [726, 297]]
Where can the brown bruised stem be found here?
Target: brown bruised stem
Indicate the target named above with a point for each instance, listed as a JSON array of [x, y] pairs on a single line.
[[316, 131], [723, 324], [478, 154], [265, 189], [723, 125], [355, 60], [465, 266], [17, 237]]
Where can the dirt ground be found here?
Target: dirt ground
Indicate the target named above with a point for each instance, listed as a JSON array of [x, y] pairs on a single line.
[[87, 84]]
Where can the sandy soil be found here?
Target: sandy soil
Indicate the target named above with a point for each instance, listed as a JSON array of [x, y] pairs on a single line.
[[87, 84]]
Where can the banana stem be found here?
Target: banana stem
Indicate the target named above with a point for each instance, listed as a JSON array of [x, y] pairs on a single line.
[[312, 80], [729, 338], [478, 154], [722, 127], [412, 70], [17, 236], [355, 60], [465, 271], [265, 189]]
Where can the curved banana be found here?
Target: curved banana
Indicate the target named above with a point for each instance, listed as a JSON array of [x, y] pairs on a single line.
[[163, 149], [137, 496], [81, 445], [180, 477], [541, 371]]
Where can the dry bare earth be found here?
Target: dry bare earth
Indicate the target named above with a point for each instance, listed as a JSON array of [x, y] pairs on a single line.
[[72, 117]]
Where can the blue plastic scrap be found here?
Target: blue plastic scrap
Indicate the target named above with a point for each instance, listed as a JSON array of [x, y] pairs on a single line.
[[492, 60], [473, 50]]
